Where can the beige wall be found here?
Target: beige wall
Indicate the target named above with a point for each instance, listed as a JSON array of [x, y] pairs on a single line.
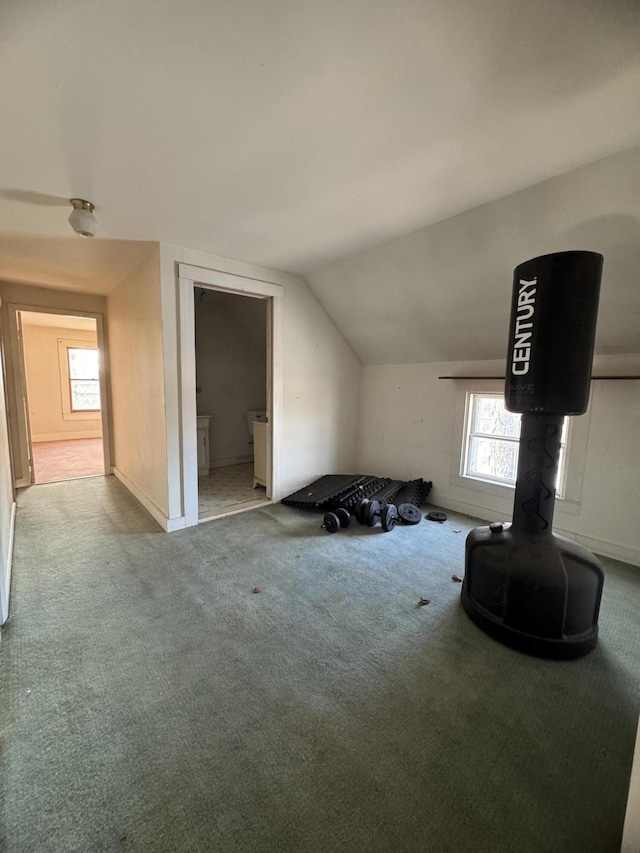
[[137, 390], [408, 429], [46, 385], [6, 503], [42, 298]]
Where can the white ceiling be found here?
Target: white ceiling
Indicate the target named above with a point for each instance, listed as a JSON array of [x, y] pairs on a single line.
[[69, 263], [57, 321], [293, 132]]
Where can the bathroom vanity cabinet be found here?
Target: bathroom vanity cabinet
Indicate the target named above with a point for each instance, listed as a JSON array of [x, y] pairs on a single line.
[[259, 454], [203, 444]]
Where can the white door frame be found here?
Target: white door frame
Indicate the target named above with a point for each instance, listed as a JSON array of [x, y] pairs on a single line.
[[23, 416], [17, 353], [6, 556], [190, 276]]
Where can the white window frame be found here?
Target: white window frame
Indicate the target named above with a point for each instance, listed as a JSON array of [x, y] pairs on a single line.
[[470, 432], [471, 408], [68, 414], [569, 497]]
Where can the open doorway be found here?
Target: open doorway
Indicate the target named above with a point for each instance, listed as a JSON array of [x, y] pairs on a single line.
[[191, 279], [62, 402], [231, 401]]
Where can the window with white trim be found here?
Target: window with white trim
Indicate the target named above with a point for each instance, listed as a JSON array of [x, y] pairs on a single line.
[[79, 380], [84, 379], [490, 442]]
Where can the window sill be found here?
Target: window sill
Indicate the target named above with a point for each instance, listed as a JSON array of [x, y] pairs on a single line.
[[507, 492], [498, 490], [81, 416]]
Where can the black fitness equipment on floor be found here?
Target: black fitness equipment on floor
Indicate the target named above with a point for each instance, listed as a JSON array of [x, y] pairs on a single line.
[[524, 585], [437, 516], [368, 512], [333, 521], [409, 514]]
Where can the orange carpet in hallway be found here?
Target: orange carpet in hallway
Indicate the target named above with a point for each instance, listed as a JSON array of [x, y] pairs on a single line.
[[64, 460]]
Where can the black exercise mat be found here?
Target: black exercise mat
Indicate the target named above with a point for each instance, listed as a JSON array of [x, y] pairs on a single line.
[[369, 487], [323, 491], [411, 493]]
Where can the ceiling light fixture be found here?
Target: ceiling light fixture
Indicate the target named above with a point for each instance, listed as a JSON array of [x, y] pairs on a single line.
[[82, 219]]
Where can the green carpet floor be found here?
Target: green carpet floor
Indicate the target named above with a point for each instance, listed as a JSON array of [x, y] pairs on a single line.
[[151, 702]]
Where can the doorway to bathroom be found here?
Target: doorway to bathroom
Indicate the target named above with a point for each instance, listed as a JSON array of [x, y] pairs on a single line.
[[191, 403], [231, 401]]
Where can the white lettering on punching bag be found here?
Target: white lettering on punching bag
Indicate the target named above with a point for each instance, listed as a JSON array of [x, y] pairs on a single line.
[[524, 327]]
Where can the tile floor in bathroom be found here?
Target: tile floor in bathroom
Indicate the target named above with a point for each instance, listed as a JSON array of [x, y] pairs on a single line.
[[227, 489]]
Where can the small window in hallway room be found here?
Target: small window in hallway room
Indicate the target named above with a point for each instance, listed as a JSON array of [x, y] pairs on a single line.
[[84, 385]]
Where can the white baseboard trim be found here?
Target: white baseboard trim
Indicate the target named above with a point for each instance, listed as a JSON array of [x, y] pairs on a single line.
[[231, 460], [599, 546], [482, 513], [65, 436], [167, 524], [4, 602], [176, 524]]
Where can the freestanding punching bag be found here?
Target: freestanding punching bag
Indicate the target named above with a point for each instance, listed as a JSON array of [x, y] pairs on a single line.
[[524, 585]]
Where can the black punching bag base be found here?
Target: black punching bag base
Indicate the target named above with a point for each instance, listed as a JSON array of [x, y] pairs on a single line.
[[539, 594]]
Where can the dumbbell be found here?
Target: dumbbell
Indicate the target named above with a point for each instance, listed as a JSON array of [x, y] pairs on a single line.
[[333, 521], [390, 515], [368, 512]]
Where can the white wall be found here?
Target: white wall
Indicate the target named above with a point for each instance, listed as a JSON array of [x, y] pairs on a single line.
[[231, 369], [321, 378], [7, 505], [42, 298], [321, 393], [407, 429], [137, 384]]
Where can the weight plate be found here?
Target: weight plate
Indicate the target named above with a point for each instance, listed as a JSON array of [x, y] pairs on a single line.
[[371, 513], [409, 513], [437, 516], [331, 522], [343, 516], [389, 517], [359, 510]]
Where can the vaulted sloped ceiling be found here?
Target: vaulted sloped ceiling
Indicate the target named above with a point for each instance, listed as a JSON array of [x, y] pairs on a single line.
[[443, 293], [290, 133]]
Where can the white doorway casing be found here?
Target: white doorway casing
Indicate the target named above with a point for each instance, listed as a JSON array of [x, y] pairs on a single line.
[[16, 345], [188, 277]]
